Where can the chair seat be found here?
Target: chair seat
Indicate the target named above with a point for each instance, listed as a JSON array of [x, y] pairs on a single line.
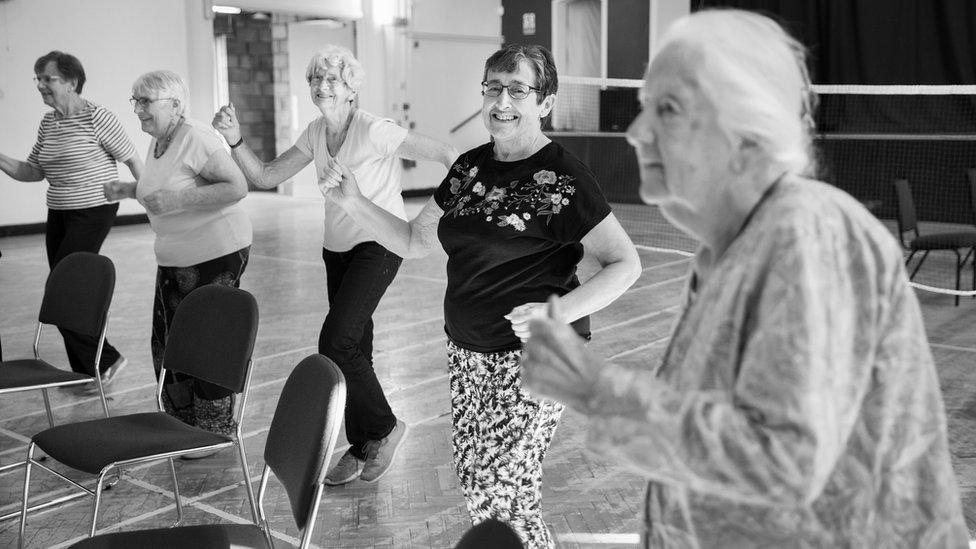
[[91, 445], [944, 241], [211, 536], [31, 372]]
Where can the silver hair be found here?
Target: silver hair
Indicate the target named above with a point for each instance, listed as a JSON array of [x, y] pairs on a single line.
[[350, 68], [162, 84], [755, 75]]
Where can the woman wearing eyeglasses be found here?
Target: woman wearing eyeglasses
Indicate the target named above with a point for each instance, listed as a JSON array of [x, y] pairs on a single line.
[[78, 148], [515, 217], [358, 269], [190, 189]]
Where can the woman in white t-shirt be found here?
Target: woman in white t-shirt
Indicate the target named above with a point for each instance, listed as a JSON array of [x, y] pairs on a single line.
[[190, 188], [358, 269]]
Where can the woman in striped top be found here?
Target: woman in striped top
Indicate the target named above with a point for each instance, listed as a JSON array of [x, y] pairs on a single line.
[[78, 147]]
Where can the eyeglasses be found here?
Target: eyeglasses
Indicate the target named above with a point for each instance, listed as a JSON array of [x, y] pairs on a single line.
[[516, 91], [144, 102], [46, 79], [331, 80]]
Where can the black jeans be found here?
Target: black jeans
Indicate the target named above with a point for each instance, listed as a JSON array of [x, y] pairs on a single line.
[[356, 281], [81, 230]]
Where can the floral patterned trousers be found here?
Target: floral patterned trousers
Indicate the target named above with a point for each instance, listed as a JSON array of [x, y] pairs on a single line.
[[500, 438], [191, 400]]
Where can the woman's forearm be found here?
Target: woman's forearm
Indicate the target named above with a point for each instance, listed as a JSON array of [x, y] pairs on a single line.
[[221, 193], [20, 170], [600, 290], [406, 239]]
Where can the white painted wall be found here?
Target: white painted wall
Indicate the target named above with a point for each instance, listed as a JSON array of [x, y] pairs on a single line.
[[116, 41], [445, 47]]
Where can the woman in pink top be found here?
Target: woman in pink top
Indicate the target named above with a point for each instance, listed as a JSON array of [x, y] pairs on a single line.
[[358, 269]]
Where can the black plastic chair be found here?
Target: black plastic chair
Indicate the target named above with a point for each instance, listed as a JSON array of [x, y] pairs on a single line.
[[77, 297], [948, 241], [211, 338], [490, 534], [302, 436]]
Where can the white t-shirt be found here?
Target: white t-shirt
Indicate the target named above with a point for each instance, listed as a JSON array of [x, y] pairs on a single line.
[[368, 152], [189, 237]]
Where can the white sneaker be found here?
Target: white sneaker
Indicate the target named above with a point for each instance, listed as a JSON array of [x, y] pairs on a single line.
[[113, 370], [107, 377]]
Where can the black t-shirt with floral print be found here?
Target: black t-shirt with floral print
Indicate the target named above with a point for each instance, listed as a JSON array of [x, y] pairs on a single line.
[[512, 234]]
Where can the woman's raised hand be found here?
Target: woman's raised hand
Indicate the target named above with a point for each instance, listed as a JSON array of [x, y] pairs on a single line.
[[337, 182], [225, 122]]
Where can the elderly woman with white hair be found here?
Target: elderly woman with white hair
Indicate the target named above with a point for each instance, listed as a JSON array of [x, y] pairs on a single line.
[[358, 269], [797, 404], [190, 188]]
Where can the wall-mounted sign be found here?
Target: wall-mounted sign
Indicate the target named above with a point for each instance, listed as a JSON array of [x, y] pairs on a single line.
[[528, 24]]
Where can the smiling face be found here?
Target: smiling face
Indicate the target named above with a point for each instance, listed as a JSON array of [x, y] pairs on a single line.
[[682, 152], [515, 120], [53, 86], [328, 90], [158, 115]]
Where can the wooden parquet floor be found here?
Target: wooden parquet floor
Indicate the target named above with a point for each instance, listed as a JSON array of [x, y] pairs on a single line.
[[588, 502]]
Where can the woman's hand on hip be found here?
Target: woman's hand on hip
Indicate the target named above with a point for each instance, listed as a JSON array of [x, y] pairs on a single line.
[[555, 361], [225, 122], [162, 201]]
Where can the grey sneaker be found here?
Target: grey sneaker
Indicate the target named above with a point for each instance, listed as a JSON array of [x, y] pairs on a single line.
[[380, 453], [347, 469]]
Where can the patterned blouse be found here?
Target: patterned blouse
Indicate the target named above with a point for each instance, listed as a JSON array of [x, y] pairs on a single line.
[[512, 233], [798, 404]]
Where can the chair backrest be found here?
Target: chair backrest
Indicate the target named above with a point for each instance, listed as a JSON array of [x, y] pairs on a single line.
[[212, 335], [971, 172], [304, 430], [907, 219], [78, 293], [490, 534]]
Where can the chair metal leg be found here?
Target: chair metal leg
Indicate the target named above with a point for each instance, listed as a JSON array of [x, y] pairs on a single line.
[[98, 500], [920, 261], [23, 503], [47, 408], [310, 525], [247, 481], [958, 272], [176, 494]]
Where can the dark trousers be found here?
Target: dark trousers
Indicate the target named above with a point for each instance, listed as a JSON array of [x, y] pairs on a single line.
[[356, 281], [81, 230], [195, 402]]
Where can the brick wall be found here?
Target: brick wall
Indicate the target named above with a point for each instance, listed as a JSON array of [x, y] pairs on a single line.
[[282, 86], [250, 79]]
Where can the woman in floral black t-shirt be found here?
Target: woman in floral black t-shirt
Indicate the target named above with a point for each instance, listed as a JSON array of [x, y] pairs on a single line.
[[515, 216]]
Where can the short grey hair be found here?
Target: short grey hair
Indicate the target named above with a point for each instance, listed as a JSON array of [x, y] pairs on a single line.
[[350, 68], [162, 84], [755, 75]]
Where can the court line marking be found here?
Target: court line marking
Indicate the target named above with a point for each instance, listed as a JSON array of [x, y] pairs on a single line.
[[952, 347], [601, 539]]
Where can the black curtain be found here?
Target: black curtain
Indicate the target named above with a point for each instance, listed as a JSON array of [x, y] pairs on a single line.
[[877, 42]]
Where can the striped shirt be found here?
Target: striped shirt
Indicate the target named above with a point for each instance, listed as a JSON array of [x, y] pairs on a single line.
[[78, 154]]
